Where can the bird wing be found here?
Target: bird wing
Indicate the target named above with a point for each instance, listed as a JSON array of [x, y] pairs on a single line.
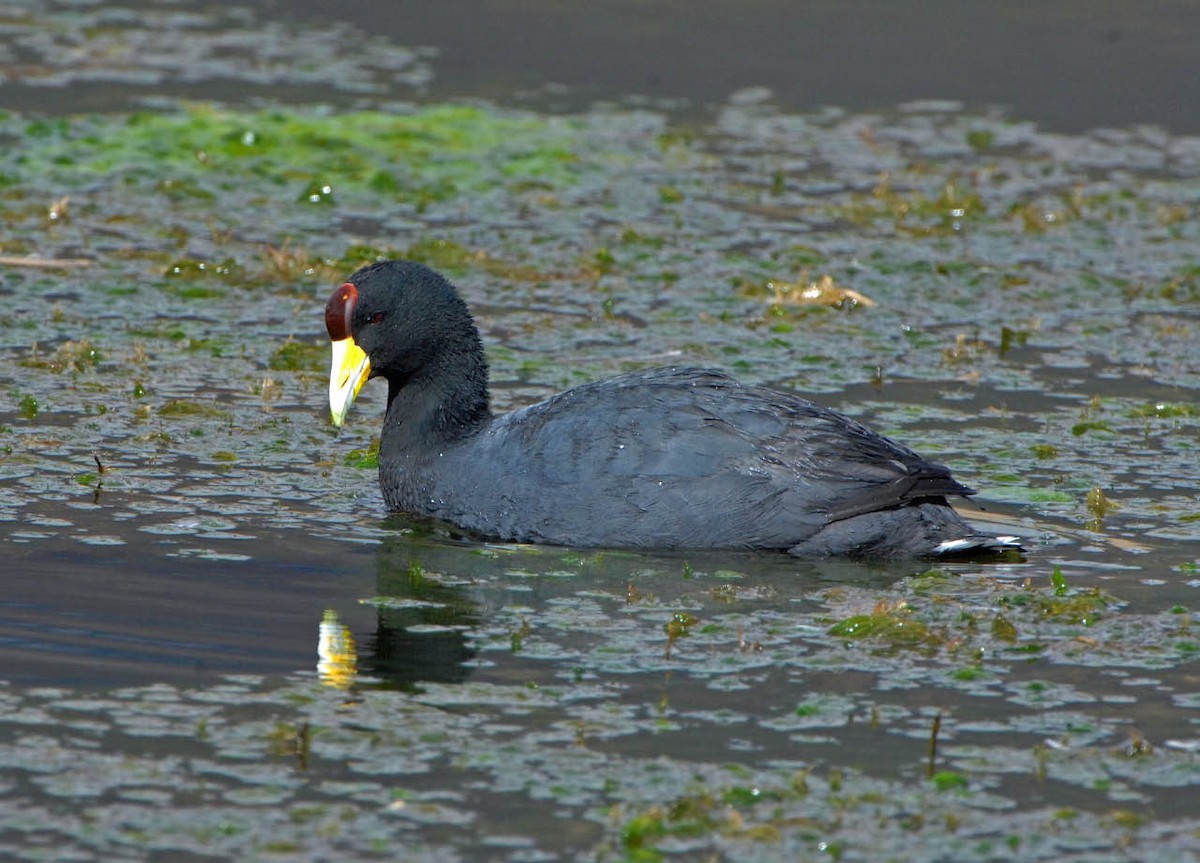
[[690, 457]]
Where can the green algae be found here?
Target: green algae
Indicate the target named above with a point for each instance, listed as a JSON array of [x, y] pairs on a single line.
[[898, 630], [28, 406], [1090, 426], [948, 780], [1166, 410], [431, 154], [1082, 607], [185, 408], [294, 356], [366, 458], [980, 139]]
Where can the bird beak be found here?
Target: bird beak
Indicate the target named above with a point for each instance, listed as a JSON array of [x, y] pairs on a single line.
[[348, 372]]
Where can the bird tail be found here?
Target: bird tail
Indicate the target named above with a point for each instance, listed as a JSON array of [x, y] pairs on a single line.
[[976, 544], [915, 530]]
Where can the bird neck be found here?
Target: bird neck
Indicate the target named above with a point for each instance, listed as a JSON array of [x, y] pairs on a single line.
[[446, 401]]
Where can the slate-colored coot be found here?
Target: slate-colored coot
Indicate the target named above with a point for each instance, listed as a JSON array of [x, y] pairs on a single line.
[[658, 458]]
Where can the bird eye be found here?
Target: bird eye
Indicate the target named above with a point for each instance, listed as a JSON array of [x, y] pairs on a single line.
[[375, 318]]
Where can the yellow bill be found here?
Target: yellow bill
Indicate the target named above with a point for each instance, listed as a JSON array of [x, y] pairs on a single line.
[[348, 372]]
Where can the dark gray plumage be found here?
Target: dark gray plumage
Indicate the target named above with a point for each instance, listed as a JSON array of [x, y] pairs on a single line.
[[659, 458]]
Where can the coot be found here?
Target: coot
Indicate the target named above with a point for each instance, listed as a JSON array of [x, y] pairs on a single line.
[[657, 458]]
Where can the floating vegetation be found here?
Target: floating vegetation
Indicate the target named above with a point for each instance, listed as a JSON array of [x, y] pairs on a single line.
[[1089, 426], [431, 154], [824, 291], [1098, 503], [294, 356], [914, 211], [188, 408], [74, 356], [366, 458], [892, 625], [1166, 410], [1010, 338], [1082, 607]]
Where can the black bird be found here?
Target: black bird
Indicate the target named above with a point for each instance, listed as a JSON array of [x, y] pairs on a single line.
[[658, 458]]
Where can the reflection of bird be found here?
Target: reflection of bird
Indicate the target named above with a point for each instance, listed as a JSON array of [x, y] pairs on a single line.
[[421, 632], [659, 458]]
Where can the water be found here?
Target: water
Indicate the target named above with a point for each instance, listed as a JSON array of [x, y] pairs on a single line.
[[216, 644]]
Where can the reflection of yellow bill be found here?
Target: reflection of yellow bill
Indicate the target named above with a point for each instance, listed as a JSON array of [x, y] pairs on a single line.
[[347, 373], [337, 654]]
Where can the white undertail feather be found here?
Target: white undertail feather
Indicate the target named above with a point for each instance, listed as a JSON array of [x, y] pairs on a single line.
[[970, 543]]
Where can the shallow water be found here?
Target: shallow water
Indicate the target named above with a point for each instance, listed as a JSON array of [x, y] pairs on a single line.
[[217, 644]]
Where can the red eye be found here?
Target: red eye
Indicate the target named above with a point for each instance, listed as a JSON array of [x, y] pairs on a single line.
[[375, 318]]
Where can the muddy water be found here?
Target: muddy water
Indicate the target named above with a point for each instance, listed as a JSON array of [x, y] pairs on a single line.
[[216, 644]]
